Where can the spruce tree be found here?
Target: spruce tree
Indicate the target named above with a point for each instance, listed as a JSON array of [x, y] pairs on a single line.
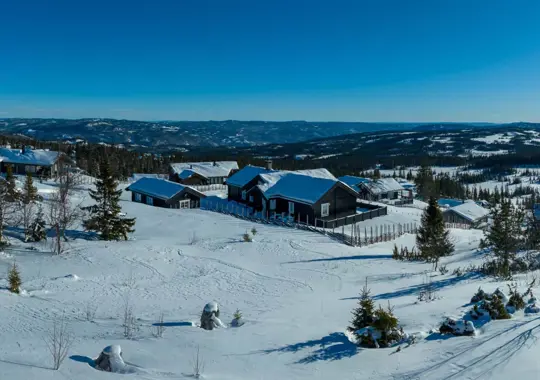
[[363, 314], [104, 215], [29, 191], [12, 192], [424, 182], [505, 237], [14, 279], [38, 229], [432, 239]]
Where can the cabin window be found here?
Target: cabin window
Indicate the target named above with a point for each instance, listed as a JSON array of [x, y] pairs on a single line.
[[244, 195], [272, 204], [138, 197], [184, 203], [325, 209], [291, 207], [251, 198], [149, 201], [30, 169]]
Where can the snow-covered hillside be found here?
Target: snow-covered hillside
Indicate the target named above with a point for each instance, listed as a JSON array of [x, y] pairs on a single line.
[[296, 290]]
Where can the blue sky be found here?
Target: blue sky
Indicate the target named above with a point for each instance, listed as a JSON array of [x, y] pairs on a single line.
[[354, 60]]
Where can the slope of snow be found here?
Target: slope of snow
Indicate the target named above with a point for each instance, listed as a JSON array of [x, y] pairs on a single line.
[[295, 288]]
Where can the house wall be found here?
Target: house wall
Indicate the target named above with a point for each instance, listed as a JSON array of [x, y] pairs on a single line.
[[21, 169], [450, 216], [194, 180], [342, 203], [234, 193], [156, 202]]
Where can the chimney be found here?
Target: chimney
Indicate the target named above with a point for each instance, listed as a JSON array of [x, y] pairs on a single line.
[[191, 166], [215, 163], [268, 164]]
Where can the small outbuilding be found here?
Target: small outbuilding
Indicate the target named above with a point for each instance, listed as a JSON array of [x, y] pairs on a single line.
[[162, 193], [468, 213], [202, 173], [381, 189]]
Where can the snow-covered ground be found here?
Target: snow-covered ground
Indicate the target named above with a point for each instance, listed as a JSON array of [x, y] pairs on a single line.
[[296, 290]]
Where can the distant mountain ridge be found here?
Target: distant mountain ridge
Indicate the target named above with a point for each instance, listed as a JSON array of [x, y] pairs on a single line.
[[185, 135]]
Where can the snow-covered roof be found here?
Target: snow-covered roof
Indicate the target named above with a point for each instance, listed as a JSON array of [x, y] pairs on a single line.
[[39, 157], [317, 173], [353, 181], [246, 174], [138, 176], [270, 179], [301, 188], [469, 210], [159, 188], [204, 169], [383, 185]]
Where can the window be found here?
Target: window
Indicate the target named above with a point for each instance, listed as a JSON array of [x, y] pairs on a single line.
[[138, 197], [325, 209], [244, 195], [272, 204], [251, 198], [149, 201], [291, 207], [184, 203], [30, 169]]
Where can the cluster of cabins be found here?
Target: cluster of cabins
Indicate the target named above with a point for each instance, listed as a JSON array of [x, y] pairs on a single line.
[[304, 195]]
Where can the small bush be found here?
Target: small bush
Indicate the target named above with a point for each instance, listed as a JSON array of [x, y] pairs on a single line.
[[159, 327], [480, 295], [495, 307], [247, 238], [516, 300], [254, 231], [443, 269], [237, 314], [458, 272], [14, 278]]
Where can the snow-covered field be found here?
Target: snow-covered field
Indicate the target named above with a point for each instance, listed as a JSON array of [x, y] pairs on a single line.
[[296, 290]]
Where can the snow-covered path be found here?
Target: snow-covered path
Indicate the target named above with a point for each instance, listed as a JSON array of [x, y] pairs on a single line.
[[296, 290]]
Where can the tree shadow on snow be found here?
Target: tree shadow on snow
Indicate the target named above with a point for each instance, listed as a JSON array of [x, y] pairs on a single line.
[[412, 290], [335, 346], [23, 364], [342, 258], [173, 324], [83, 359]]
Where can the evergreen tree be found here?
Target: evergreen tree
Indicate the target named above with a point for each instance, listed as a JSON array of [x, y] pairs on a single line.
[[505, 237], [12, 192], [14, 279], [363, 314], [432, 239], [376, 174], [29, 192], [105, 217], [38, 230], [424, 182]]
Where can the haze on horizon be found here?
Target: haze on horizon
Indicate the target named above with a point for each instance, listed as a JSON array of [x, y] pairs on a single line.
[[345, 60]]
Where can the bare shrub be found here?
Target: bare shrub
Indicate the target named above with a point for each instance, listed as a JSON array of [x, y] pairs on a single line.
[[129, 321], [193, 238], [254, 231], [198, 364], [159, 327], [428, 292], [59, 341], [443, 269], [90, 310], [247, 237]]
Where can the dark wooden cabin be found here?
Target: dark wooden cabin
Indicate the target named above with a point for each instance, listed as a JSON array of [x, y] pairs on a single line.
[[162, 193]]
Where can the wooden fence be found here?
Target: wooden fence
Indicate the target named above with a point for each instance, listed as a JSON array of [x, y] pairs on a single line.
[[354, 233], [462, 226], [209, 187]]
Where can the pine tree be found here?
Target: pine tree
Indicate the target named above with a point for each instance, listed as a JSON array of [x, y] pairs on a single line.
[[363, 314], [29, 192], [12, 192], [14, 278], [105, 217], [505, 237], [432, 239], [395, 253], [376, 174]]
